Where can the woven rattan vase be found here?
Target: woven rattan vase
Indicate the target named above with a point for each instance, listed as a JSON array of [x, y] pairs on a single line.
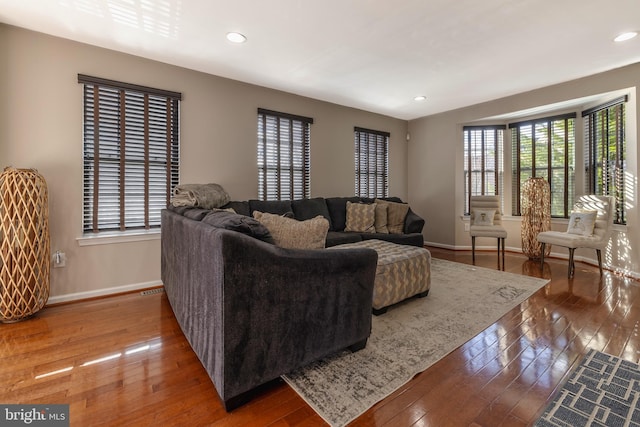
[[535, 207], [24, 244]]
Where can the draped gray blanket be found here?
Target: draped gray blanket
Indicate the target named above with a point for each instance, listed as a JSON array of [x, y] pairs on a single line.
[[206, 196]]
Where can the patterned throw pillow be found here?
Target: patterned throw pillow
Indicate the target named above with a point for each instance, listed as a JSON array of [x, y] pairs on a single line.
[[293, 234], [396, 213], [582, 223], [361, 217], [483, 216], [381, 218]]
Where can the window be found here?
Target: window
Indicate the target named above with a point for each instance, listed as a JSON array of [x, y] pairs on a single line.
[[545, 148], [483, 162], [283, 156], [372, 162], [131, 154], [605, 153]]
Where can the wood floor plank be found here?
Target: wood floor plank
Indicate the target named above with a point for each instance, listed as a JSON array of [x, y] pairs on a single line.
[[123, 360]]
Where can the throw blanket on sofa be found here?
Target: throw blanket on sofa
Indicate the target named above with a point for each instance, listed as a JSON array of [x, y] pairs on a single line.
[[206, 196]]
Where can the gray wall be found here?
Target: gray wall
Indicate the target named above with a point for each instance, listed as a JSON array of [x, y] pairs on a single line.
[[436, 170], [41, 127]]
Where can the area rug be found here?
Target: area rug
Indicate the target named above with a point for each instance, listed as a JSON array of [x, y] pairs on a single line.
[[603, 390], [409, 338]]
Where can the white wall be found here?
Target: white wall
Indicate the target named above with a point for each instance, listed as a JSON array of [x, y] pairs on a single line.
[[41, 127], [436, 170]]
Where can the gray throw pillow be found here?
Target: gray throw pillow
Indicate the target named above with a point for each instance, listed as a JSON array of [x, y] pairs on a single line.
[[240, 223]]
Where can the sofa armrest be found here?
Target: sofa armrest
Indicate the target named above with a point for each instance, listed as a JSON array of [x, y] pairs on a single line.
[[284, 308], [413, 223]]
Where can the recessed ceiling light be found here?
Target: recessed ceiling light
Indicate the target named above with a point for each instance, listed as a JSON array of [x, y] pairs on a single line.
[[234, 37], [625, 36], [420, 98]]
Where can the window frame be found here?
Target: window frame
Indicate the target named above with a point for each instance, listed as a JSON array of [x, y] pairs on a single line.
[[128, 137], [568, 165], [292, 134], [371, 172], [470, 161], [601, 179]]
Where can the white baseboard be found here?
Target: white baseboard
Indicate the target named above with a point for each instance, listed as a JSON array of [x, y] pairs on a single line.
[[561, 255], [102, 292], [440, 245]]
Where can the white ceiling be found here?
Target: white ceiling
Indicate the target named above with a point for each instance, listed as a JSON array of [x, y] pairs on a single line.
[[376, 55]]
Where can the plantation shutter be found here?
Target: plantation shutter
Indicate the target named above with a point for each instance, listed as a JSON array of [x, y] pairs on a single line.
[[483, 162], [605, 152], [545, 148], [371, 163], [283, 156], [131, 154]]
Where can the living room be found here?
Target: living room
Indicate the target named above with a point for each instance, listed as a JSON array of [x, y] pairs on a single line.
[[217, 127], [41, 127]]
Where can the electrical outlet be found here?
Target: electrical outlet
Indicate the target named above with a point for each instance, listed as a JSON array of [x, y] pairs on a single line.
[[466, 226], [59, 259]]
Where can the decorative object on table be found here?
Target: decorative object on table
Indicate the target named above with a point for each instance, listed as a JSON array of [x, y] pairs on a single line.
[[536, 215], [485, 220], [24, 244], [590, 226]]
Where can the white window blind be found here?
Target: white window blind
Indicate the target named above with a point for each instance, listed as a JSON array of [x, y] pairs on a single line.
[[283, 156], [605, 153], [131, 154], [371, 162]]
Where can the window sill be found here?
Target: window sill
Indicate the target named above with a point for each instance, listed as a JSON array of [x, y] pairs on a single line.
[[109, 238]]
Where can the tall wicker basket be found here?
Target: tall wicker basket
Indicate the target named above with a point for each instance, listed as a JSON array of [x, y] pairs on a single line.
[[24, 244], [536, 215]]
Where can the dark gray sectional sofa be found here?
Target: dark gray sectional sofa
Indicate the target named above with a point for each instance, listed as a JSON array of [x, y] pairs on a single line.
[[334, 209], [253, 311]]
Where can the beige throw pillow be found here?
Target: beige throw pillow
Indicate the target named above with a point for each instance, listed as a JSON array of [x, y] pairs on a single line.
[[293, 234], [381, 218], [361, 217], [582, 223], [483, 216], [396, 213]]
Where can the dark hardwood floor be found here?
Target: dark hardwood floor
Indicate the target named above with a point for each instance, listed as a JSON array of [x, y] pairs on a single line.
[[123, 360]]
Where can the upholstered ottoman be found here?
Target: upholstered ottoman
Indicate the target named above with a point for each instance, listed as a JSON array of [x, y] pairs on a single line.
[[403, 271]]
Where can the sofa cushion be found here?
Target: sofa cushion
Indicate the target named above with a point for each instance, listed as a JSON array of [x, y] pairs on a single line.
[[396, 214], [294, 234], [195, 214], [338, 210], [335, 238], [278, 207], [239, 207], [381, 218], [360, 217], [413, 239], [304, 209], [240, 223]]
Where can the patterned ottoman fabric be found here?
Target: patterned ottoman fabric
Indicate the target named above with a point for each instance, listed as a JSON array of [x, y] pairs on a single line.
[[403, 271]]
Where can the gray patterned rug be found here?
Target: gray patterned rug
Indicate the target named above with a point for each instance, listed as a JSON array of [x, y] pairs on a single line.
[[410, 337], [603, 390]]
